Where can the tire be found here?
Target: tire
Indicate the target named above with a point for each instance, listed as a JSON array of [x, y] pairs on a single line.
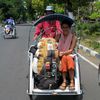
[[4, 36], [15, 33], [78, 97], [32, 97]]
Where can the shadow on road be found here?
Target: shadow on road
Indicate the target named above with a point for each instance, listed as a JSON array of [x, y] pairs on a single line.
[[67, 97]]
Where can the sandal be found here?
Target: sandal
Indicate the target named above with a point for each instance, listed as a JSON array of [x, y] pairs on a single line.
[[63, 86], [72, 85]]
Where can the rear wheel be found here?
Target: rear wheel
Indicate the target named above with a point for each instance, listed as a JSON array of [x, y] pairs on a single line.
[[32, 97], [78, 97], [14, 33]]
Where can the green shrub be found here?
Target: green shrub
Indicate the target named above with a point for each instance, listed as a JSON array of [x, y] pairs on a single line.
[[94, 27], [78, 27], [94, 15], [97, 33], [83, 26], [86, 31], [95, 45]]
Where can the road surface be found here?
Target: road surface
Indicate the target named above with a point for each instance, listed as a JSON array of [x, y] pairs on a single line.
[[14, 69]]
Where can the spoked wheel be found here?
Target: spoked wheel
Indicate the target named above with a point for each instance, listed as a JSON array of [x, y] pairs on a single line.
[[99, 75]]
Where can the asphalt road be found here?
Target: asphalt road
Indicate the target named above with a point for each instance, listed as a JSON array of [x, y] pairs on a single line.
[[14, 66], [14, 69]]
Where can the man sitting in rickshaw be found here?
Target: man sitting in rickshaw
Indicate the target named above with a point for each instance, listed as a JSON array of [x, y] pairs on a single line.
[[66, 46], [52, 28]]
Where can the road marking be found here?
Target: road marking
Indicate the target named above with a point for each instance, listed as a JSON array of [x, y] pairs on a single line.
[[88, 61]]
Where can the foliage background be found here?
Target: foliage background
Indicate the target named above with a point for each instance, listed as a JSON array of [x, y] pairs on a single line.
[[30, 9]]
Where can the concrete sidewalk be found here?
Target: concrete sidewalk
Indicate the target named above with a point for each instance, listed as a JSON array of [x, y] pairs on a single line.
[[89, 54], [89, 51]]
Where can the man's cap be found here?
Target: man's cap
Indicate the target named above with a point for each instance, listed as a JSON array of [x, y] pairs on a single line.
[[49, 8]]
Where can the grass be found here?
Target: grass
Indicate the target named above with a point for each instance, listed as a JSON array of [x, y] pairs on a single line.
[[92, 42]]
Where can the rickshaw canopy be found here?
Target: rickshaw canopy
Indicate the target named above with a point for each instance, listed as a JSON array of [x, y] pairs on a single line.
[[51, 17]]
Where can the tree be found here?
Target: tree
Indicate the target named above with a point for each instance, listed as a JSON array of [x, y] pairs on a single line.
[[95, 14], [71, 5], [38, 5], [14, 8]]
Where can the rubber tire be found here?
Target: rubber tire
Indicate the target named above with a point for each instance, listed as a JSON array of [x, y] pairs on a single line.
[[15, 33], [4, 36], [78, 97], [30, 97]]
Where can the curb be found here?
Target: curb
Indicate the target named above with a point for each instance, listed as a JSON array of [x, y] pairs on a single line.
[[91, 52]]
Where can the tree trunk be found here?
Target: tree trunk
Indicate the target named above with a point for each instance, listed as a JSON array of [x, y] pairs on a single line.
[[68, 9]]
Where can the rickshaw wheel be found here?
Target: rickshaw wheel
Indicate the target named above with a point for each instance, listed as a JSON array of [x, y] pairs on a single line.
[[78, 97], [30, 97]]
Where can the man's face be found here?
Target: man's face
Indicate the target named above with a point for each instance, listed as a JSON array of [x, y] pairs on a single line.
[[49, 12]]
